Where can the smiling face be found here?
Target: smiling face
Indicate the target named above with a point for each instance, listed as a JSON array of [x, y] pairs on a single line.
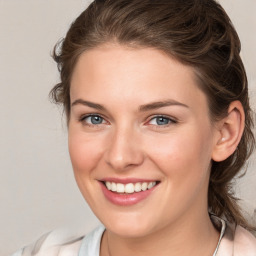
[[139, 122]]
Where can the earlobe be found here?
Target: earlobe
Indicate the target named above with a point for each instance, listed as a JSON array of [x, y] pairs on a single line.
[[230, 131]]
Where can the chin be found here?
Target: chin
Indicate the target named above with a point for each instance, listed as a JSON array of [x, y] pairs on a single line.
[[129, 230], [132, 225]]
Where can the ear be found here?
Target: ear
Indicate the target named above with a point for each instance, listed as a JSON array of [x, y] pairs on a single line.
[[229, 132]]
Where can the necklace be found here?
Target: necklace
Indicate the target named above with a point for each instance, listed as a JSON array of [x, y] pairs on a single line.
[[223, 228]]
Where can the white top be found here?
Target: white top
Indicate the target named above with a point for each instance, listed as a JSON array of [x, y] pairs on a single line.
[[91, 243], [233, 241]]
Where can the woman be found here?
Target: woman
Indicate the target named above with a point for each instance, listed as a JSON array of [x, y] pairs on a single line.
[[159, 122]]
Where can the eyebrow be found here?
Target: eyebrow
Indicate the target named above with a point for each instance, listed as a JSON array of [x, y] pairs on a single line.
[[142, 108], [89, 104], [161, 104]]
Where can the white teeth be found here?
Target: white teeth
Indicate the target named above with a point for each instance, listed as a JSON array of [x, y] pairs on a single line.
[[108, 184], [137, 187], [151, 185], [113, 186], [119, 188], [144, 186], [130, 187]]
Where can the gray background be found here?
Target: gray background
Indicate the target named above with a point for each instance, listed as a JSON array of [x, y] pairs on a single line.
[[37, 189]]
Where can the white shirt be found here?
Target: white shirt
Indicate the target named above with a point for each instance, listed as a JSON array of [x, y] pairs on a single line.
[[233, 241]]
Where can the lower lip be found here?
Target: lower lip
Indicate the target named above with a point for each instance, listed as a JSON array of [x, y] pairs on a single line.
[[126, 199]]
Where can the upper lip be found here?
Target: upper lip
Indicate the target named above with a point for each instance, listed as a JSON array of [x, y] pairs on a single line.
[[127, 180]]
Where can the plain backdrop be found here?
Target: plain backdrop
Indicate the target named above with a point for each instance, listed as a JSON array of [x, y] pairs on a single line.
[[37, 190]]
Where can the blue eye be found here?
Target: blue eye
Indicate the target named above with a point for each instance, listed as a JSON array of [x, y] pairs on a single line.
[[93, 119], [160, 120]]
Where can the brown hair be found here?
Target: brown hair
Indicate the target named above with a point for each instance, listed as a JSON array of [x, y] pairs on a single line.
[[197, 33]]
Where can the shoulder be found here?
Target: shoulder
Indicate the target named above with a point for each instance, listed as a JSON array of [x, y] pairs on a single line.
[[65, 242], [58, 242], [235, 240], [244, 242]]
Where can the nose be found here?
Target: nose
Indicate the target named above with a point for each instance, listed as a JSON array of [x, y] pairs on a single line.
[[124, 150]]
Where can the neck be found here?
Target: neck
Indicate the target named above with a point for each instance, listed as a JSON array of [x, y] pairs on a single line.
[[188, 236]]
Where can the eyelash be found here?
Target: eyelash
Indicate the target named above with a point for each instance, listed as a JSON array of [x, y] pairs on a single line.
[[171, 121], [83, 118]]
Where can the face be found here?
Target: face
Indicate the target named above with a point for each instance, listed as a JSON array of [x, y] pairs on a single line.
[[140, 139]]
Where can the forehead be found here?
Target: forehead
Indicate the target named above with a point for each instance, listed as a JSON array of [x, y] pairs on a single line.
[[144, 74]]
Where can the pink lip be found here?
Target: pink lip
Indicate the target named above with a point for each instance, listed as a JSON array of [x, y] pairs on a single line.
[[126, 199]]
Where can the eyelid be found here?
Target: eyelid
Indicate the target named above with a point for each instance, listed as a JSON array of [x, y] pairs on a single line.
[[83, 117], [171, 119]]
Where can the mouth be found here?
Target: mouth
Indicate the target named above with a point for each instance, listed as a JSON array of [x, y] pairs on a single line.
[[129, 188], [127, 192]]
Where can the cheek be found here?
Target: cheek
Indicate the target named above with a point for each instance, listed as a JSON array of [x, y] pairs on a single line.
[[85, 156], [84, 153], [184, 155]]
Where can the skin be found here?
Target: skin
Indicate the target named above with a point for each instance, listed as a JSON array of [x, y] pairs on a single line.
[[130, 143]]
